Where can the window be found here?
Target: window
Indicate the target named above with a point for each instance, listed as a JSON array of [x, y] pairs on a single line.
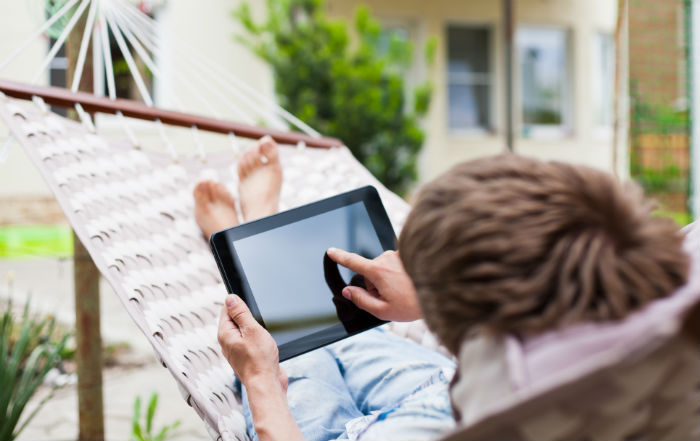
[[544, 78], [398, 40], [603, 76], [57, 73], [469, 77]]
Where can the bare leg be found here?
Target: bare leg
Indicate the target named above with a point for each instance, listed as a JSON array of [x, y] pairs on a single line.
[[260, 180], [259, 189]]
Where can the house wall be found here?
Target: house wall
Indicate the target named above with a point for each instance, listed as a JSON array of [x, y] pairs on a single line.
[[208, 25], [443, 148]]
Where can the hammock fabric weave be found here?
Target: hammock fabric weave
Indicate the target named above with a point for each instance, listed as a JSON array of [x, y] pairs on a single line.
[[133, 211]]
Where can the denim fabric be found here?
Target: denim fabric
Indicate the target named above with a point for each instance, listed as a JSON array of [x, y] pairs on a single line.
[[374, 385]]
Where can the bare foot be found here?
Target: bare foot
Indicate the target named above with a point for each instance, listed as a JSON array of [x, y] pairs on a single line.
[[214, 207], [260, 180]]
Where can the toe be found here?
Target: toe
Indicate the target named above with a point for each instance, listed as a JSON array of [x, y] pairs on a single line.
[[209, 190], [201, 191], [221, 194], [240, 167], [268, 149], [244, 164]]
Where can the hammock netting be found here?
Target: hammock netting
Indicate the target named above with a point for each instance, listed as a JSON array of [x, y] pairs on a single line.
[[133, 211]]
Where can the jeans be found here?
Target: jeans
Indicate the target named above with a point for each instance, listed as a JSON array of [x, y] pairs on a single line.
[[373, 385]]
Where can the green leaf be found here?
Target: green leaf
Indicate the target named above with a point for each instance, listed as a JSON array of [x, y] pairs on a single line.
[[136, 432], [151, 412], [28, 351]]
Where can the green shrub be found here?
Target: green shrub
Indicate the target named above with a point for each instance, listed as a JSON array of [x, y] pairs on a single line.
[[349, 88], [29, 349], [660, 180], [144, 432]]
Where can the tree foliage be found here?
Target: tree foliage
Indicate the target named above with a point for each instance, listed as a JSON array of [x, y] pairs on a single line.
[[347, 86]]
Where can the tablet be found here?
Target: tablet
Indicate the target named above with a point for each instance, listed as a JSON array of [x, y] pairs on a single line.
[[279, 267]]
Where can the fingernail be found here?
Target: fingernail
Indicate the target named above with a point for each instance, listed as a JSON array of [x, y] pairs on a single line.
[[231, 301], [331, 250], [346, 293]]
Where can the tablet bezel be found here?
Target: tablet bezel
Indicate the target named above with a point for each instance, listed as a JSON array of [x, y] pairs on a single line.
[[230, 267]]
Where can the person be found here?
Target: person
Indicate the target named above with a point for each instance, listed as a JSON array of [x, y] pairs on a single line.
[[499, 245], [373, 384]]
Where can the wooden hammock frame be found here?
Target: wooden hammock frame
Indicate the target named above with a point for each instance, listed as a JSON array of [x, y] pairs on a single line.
[[57, 96]]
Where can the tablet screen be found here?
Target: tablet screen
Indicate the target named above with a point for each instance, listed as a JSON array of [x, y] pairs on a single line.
[[284, 268]]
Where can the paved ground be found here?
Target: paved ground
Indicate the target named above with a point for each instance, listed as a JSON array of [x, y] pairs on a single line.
[[50, 284]]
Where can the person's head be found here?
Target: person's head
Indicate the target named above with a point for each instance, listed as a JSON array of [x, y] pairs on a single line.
[[509, 244]]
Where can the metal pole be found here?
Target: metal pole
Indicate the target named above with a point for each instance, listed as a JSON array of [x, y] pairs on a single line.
[[87, 293], [617, 111], [508, 54], [694, 82]]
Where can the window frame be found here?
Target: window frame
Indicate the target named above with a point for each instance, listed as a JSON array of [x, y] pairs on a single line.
[[546, 131], [602, 129], [491, 124], [416, 73]]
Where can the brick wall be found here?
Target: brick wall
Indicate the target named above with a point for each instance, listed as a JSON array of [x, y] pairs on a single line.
[[656, 50]]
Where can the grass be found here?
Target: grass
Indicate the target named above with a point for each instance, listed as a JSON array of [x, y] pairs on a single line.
[[681, 218], [23, 241]]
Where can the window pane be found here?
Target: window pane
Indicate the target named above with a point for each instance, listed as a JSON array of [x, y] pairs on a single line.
[[603, 75], [468, 50], [542, 54], [469, 106], [468, 70], [57, 73], [57, 77]]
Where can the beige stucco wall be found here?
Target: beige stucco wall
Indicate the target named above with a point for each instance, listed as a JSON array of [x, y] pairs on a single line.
[[18, 20], [442, 149], [208, 25]]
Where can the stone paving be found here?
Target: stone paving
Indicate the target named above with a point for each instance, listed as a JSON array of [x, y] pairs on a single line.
[[49, 282]]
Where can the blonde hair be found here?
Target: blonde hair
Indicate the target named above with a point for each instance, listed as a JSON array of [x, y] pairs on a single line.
[[515, 245]]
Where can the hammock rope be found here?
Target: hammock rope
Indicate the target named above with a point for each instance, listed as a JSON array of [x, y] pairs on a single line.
[[82, 54], [53, 19], [61, 39], [134, 30]]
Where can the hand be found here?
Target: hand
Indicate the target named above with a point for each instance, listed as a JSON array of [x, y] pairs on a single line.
[[249, 348], [390, 294]]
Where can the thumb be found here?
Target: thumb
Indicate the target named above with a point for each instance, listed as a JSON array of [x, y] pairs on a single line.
[[238, 312], [364, 300]]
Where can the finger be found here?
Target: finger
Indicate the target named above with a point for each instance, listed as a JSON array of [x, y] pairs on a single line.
[[353, 261], [364, 300], [227, 328], [240, 314]]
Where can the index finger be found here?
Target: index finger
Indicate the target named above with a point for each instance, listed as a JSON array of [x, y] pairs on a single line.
[[352, 261]]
